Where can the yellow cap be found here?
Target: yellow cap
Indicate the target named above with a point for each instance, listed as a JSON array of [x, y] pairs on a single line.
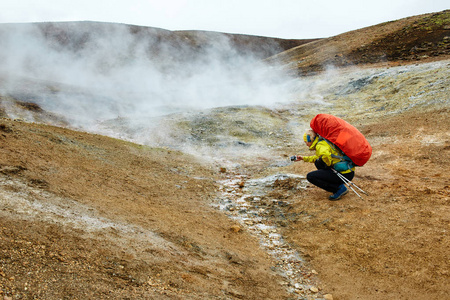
[[309, 136], [306, 137]]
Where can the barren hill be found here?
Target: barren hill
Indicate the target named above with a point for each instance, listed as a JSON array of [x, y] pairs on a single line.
[[418, 38], [183, 45], [132, 168]]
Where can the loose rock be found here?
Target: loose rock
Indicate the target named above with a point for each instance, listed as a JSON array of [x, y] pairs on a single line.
[[235, 228]]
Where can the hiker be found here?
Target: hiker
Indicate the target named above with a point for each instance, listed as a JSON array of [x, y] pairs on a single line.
[[325, 178]]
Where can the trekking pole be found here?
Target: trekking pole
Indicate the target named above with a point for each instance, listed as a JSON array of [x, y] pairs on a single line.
[[349, 183]]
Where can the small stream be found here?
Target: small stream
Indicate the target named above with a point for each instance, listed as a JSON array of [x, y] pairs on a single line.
[[248, 201]]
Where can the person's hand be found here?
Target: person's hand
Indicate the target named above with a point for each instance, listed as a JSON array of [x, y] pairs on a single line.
[[296, 158]]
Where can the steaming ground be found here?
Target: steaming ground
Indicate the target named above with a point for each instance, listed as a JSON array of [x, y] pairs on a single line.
[[248, 132], [133, 86], [141, 86], [231, 134], [92, 72]]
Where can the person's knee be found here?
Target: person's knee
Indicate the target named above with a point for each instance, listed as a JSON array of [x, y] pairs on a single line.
[[350, 175], [311, 177]]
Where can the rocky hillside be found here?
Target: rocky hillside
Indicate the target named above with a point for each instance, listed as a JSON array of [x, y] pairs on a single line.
[[423, 37], [98, 201]]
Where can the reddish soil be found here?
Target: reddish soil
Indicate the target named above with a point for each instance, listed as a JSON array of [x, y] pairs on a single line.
[[393, 244]]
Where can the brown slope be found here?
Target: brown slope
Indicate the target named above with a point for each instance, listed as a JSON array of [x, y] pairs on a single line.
[[86, 216], [407, 40]]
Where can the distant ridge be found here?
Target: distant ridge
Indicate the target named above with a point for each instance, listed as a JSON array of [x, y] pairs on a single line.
[[74, 35], [418, 38]]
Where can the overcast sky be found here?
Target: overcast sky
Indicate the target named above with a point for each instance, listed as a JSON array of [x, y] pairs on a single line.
[[276, 18]]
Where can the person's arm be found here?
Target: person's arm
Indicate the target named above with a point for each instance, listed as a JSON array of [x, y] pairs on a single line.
[[304, 158], [310, 159]]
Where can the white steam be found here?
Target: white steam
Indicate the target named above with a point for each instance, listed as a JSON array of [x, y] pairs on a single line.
[[104, 71]]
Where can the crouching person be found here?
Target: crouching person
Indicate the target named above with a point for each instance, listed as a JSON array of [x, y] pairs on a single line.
[[324, 177]]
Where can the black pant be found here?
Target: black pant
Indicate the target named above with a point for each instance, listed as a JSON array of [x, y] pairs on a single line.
[[325, 178]]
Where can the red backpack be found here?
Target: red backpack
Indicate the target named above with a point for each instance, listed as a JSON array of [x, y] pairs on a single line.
[[346, 137]]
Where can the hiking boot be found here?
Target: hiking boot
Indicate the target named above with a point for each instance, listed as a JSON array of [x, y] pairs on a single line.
[[340, 192]]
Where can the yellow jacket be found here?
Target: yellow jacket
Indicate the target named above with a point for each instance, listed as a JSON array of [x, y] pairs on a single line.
[[324, 151]]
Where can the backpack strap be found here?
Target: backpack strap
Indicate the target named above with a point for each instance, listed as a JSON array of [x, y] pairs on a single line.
[[342, 157]]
